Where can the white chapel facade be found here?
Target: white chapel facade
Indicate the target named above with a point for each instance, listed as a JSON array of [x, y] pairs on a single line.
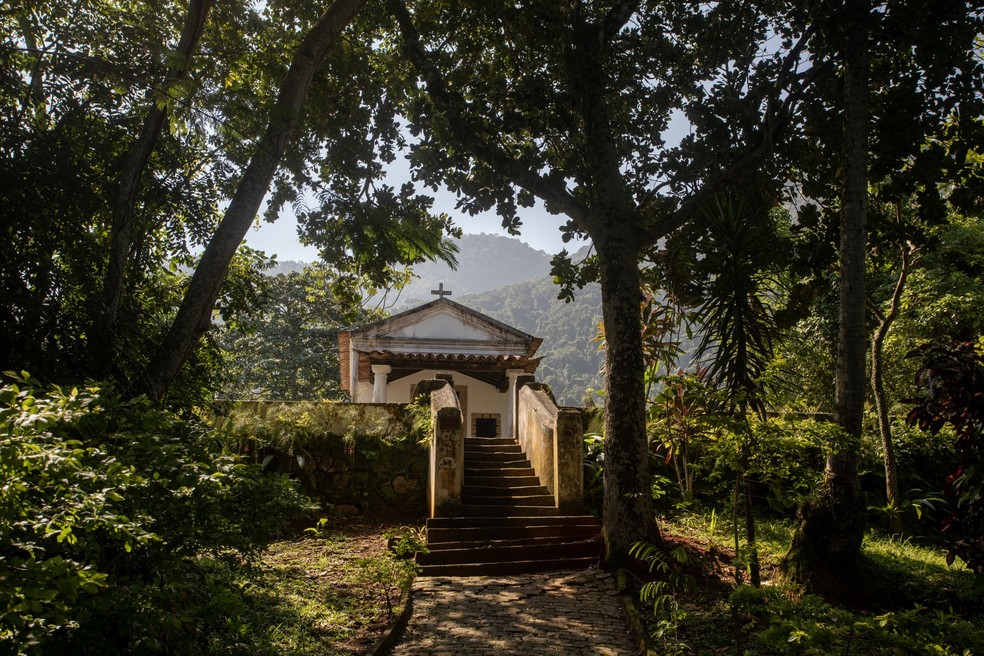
[[383, 361]]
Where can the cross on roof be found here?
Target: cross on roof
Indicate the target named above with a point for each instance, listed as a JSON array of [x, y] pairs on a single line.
[[439, 292]]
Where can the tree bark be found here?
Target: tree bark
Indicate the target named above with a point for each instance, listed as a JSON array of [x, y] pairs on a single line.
[[627, 515], [124, 207], [195, 313], [881, 402], [754, 569], [627, 509], [826, 548]]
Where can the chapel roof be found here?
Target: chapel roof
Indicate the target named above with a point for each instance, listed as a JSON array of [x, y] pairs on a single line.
[[414, 315], [441, 334]]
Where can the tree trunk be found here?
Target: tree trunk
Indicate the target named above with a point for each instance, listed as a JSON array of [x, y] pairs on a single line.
[[124, 207], [826, 549], [604, 207], [195, 313], [881, 402], [627, 514], [754, 570]]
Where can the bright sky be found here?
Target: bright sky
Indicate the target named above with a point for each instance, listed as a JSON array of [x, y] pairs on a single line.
[[540, 230]]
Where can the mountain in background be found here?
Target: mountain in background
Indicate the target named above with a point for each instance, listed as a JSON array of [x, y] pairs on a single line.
[[485, 262], [571, 360], [510, 281], [287, 266]]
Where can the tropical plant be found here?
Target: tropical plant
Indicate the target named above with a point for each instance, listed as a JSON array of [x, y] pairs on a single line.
[[110, 513], [951, 392], [661, 593], [683, 415], [743, 255]]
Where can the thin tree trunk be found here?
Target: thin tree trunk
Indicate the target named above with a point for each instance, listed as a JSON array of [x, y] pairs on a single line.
[[878, 387], [746, 483], [195, 313], [739, 577], [124, 206], [826, 548]]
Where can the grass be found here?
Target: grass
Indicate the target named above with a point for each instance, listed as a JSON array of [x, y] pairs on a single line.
[[331, 594], [323, 594], [937, 609]]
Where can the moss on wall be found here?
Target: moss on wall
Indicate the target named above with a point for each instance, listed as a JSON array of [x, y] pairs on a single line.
[[370, 456]]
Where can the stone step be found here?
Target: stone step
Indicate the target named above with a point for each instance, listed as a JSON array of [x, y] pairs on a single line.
[[471, 449], [492, 457], [517, 520], [487, 468], [478, 535], [473, 491], [501, 480], [484, 441], [486, 510], [514, 502], [508, 568], [499, 553]]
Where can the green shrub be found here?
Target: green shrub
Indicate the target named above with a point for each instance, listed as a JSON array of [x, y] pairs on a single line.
[[593, 466], [109, 512], [345, 454], [777, 624], [787, 456]]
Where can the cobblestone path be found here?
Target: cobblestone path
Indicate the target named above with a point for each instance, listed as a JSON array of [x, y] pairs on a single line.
[[570, 613]]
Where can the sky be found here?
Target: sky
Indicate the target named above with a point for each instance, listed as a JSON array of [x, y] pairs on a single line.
[[540, 230]]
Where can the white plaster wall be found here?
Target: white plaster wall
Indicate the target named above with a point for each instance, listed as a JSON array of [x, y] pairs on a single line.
[[364, 393], [441, 326], [482, 397]]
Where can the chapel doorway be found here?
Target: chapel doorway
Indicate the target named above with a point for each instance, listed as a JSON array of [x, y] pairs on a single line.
[[485, 427]]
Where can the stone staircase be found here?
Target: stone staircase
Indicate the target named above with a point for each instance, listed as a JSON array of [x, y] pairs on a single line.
[[508, 523]]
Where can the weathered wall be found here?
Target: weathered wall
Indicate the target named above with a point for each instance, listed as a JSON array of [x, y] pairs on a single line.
[[481, 398], [537, 415], [360, 457], [552, 438]]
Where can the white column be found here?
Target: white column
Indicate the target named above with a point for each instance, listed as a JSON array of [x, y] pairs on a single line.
[[380, 372], [354, 376], [509, 427]]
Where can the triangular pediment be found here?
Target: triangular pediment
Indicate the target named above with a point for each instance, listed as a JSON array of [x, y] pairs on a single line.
[[443, 326]]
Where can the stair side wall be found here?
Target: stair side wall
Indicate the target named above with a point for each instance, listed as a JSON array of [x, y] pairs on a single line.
[[447, 451], [552, 439]]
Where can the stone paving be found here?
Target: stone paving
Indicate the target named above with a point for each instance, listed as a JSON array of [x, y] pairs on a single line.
[[572, 612]]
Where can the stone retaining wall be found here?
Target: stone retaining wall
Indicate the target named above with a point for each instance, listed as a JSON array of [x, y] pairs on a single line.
[[357, 458]]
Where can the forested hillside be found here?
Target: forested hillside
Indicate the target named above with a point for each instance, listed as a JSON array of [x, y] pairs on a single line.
[[572, 360], [485, 262]]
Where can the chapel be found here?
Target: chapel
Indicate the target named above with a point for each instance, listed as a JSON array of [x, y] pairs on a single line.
[[383, 361]]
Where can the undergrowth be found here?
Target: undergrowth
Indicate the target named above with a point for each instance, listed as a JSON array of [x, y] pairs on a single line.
[[329, 593], [695, 606]]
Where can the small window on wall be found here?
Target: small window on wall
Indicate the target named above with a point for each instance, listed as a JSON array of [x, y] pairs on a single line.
[[485, 425]]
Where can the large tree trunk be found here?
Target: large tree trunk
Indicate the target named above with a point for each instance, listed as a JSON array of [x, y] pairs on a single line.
[[124, 207], [627, 509], [826, 549], [605, 209], [195, 313], [881, 402]]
